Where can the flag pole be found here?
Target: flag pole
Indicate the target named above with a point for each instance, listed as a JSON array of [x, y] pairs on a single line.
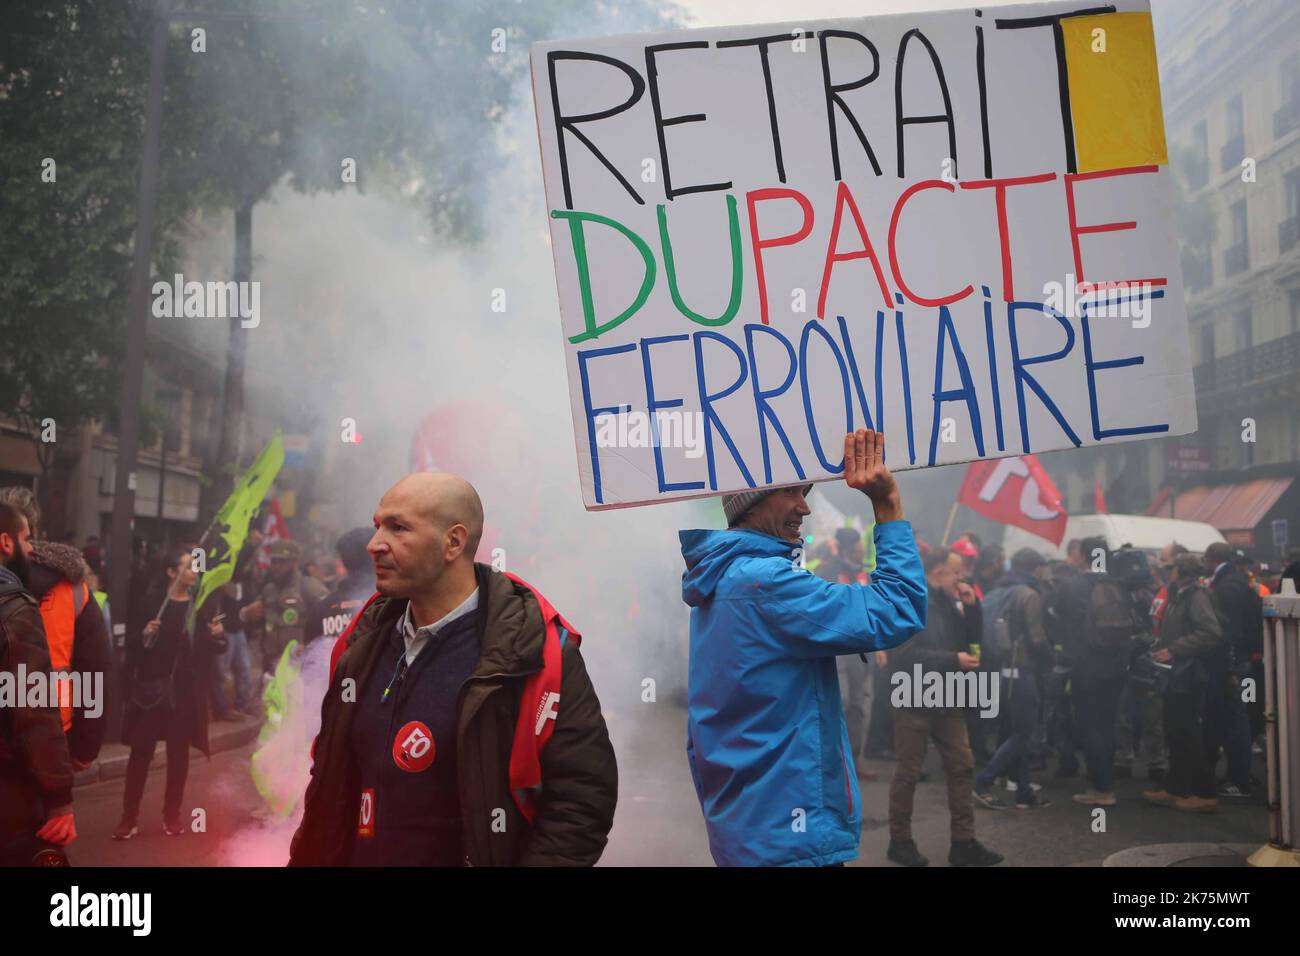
[[947, 528]]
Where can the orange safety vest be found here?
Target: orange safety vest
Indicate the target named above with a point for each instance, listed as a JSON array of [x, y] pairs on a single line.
[[59, 611]]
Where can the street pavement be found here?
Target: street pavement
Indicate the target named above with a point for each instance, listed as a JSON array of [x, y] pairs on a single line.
[[658, 821]]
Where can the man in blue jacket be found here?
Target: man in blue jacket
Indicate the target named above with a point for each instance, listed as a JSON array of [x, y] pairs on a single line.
[[766, 739]]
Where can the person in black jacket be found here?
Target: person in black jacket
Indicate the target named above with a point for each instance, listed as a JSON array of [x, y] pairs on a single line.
[[1099, 671], [35, 768], [1226, 724], [169, 674], [952, 625], [78, 617], [425, 761], [334, 612], [1016, 603]]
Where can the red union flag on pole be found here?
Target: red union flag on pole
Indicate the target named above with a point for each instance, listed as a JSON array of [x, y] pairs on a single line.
[[1016, 491]]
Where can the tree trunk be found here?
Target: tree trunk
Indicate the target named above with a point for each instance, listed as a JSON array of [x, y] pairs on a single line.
[[223, 469]]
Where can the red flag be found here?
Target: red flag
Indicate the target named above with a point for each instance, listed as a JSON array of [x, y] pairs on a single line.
[[273, 527], [1099, 497], [1016, 491]]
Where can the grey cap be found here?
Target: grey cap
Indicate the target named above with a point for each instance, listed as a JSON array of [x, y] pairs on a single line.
[[737, 506]]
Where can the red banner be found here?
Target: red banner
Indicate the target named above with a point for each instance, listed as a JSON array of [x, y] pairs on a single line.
[[1016, 491]]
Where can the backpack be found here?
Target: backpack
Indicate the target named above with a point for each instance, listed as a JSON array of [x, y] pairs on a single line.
[[997, 649], [1111, 618]]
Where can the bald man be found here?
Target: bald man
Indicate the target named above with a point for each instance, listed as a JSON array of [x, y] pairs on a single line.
[[459, 727]]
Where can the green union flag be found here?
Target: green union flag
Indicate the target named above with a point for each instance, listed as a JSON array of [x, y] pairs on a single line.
[[225, 536]]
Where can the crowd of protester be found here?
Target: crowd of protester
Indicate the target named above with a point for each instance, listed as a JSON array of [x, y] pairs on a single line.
[[1114, 663]]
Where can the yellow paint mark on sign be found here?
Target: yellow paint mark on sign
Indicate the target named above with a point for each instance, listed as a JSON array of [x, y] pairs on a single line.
[[1114, 91]]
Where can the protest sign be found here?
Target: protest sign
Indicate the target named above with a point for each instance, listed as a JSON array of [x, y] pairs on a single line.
[[956, 227]]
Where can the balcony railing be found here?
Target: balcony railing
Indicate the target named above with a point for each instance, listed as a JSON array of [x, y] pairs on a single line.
[[1286, 118], [1236, 259], [1233, 152], [1288, 232], [1253, 366]]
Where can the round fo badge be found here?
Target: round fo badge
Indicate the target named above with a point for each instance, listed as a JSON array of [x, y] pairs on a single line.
[[413, 748]]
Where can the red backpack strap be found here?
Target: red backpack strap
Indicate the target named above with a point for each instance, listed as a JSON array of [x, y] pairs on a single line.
[[341, 644], [539, 707]]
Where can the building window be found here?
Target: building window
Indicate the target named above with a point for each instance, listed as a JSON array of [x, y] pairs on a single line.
[[1288, 230], [1234, 145], [1287, 116], [1236, 124], [1245, 331], [1289, 75], [1198, 172], [1236, 258]]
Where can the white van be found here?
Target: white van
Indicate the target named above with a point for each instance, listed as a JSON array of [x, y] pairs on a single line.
[[1142, 532]]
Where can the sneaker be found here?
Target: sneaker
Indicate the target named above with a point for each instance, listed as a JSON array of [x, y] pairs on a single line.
[[173, 828], [988, 800], [1196, 804], [1095, 798], [972, 853], [1011, 786], [905, 853], [1234, 791], [1161, 798], [1033, 802], [126, 830]]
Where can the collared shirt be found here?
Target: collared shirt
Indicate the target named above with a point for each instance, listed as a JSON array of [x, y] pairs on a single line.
[[416, 638]]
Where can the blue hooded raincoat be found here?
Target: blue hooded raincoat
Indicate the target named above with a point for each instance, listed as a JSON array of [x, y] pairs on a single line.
[[766, 738]]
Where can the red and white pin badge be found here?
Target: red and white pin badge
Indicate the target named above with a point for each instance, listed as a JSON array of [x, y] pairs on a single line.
[[366, 818], [413, 747]]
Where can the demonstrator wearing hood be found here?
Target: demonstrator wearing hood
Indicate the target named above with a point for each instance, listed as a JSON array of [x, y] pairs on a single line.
[[766, 738]]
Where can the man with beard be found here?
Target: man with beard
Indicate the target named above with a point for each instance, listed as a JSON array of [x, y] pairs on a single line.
[[35, 768], [766, 738], [75, 631], [460, 726]]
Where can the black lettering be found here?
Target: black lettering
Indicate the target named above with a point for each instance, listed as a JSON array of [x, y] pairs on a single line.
[[1062, 80], [944, 117], [570, 123], [762, 43], [833, 98], [652, 73]]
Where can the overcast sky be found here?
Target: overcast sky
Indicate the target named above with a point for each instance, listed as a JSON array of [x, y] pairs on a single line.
[[714, 13]]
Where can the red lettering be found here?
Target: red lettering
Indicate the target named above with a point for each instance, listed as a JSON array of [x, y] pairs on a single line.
[[908, 193], [843, 197], [1004, 239], [761, 195], [1082, 287]]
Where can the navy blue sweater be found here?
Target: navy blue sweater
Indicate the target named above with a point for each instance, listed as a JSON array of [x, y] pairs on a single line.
[[405, 748]]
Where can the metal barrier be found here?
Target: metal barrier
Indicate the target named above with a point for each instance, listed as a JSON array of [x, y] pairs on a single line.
[[1282, 720]]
